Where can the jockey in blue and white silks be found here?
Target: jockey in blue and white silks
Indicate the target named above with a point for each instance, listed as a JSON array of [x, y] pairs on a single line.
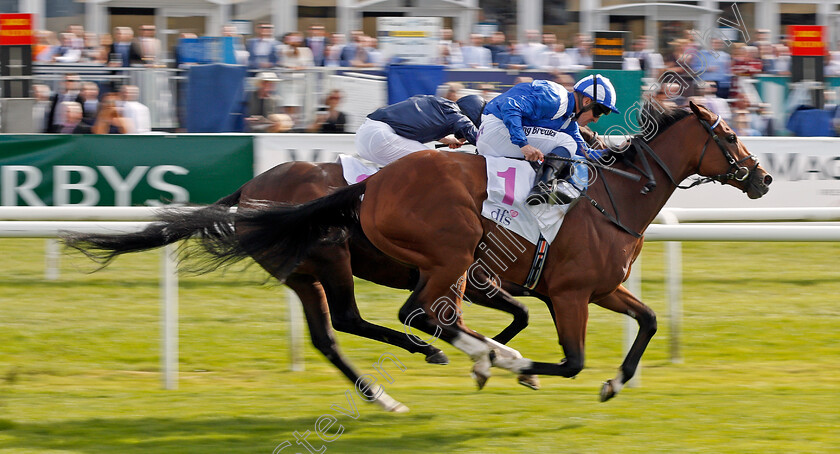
[[541, 117]]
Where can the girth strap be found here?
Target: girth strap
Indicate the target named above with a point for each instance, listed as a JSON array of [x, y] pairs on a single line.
[[538, 264]]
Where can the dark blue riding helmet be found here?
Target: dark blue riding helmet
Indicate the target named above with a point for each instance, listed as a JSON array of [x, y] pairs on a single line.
[[472, 106]]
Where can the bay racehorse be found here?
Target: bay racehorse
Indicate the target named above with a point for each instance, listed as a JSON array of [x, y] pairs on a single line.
[[324, 280], [424, 210]]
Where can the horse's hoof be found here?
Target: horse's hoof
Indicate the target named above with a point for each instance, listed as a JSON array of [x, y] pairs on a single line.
[[480, 379], [400, 408], [438, 358], [607, 391], [530, 381]]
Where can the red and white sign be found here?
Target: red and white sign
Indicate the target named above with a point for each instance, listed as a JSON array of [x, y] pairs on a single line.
[[807, 40], [16, 30]]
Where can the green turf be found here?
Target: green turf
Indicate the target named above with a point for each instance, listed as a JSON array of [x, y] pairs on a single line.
[[79, 366]]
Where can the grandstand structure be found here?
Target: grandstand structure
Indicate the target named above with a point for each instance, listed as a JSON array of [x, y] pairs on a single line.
[[563, 17]]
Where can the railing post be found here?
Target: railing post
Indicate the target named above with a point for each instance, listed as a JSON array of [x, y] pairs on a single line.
[[673, 288], [295, 331], [52, 257], [169, 317]]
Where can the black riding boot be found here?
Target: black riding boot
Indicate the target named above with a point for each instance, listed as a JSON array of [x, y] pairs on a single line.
[[550, 185]]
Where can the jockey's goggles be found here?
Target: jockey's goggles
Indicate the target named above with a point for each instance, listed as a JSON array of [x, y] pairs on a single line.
[[600, 109]]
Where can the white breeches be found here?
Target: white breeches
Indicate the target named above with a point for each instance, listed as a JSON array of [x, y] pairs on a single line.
[[377, 142], [494, 139]]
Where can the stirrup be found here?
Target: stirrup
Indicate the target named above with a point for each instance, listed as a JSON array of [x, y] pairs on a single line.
[[557, 192]]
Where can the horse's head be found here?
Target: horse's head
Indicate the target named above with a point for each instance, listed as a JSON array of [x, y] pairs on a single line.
[[725, 158]]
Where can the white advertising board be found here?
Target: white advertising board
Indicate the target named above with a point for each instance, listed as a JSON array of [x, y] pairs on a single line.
[[805, 170], [413, 39]]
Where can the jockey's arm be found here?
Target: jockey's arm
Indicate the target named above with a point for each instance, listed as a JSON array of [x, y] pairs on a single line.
[[465, 129], [512, 118], [584, 150]]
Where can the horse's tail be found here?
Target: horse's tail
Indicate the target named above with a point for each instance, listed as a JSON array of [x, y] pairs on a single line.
[[212, 225], [281, 237]]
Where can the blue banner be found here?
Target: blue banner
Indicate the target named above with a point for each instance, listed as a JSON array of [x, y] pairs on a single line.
[[215, 96], [405, 81]]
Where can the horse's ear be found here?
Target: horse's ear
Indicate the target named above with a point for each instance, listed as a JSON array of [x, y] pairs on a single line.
[[695, 109]]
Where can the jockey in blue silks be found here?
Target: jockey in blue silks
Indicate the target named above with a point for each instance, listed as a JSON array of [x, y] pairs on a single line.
[[541, 117]]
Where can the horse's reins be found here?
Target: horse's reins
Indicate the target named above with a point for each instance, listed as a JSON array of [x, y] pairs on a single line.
[[740, 173]]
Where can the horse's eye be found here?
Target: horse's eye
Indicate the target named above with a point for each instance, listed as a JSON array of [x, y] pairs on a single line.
[[731, 138]]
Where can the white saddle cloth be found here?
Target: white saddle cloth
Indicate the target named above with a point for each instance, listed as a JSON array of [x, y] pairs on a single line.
[[354, 169], [508, 183]]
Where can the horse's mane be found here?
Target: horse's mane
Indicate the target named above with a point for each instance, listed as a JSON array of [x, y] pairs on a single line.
[[661, 119], [656, 121]]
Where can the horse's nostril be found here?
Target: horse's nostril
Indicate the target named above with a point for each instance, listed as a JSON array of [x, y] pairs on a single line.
[[768, 179]]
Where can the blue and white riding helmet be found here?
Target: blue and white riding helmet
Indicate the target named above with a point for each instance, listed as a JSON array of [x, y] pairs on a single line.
[[599, 89]]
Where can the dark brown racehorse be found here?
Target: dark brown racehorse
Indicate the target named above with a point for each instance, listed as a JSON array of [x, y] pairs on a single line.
[[424, 210]]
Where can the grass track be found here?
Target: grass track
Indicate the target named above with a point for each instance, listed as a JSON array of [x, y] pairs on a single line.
[[79, 366]]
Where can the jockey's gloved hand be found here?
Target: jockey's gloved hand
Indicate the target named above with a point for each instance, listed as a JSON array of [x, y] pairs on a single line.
[[593, 154]]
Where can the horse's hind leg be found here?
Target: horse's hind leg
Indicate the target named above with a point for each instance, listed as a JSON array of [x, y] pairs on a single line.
[[317, 318], [623, 302], [486, 293], [331, 266]]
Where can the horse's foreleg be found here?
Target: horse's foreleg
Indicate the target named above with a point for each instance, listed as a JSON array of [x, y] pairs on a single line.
[[571, 313], [623, 302], [317, 318]]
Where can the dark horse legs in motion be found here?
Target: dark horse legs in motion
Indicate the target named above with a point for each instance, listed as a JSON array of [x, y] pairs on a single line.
[[324, 280]]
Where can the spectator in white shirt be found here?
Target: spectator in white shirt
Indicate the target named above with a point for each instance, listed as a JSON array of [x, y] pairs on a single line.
[[558, 59], [375, 58], [68, 52], [333, 53], [533, 49], [138, 115], [476, 55], [581, 53], [41, 109], [150, 48], [450, 51]]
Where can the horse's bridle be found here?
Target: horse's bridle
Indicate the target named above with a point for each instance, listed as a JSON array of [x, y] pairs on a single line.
[[736, 171], [741, 172]]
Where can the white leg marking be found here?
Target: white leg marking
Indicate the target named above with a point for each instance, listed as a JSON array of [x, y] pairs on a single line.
[[388, 403], [473, 347], [503, 350], [618, 382], [515, 365], [478, 352]]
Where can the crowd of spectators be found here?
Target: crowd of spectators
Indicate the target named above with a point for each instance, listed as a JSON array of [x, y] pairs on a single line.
[[78, 108], [724, 82]]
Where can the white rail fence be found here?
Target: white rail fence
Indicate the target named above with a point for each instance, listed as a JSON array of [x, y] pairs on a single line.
[[47, 222]]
